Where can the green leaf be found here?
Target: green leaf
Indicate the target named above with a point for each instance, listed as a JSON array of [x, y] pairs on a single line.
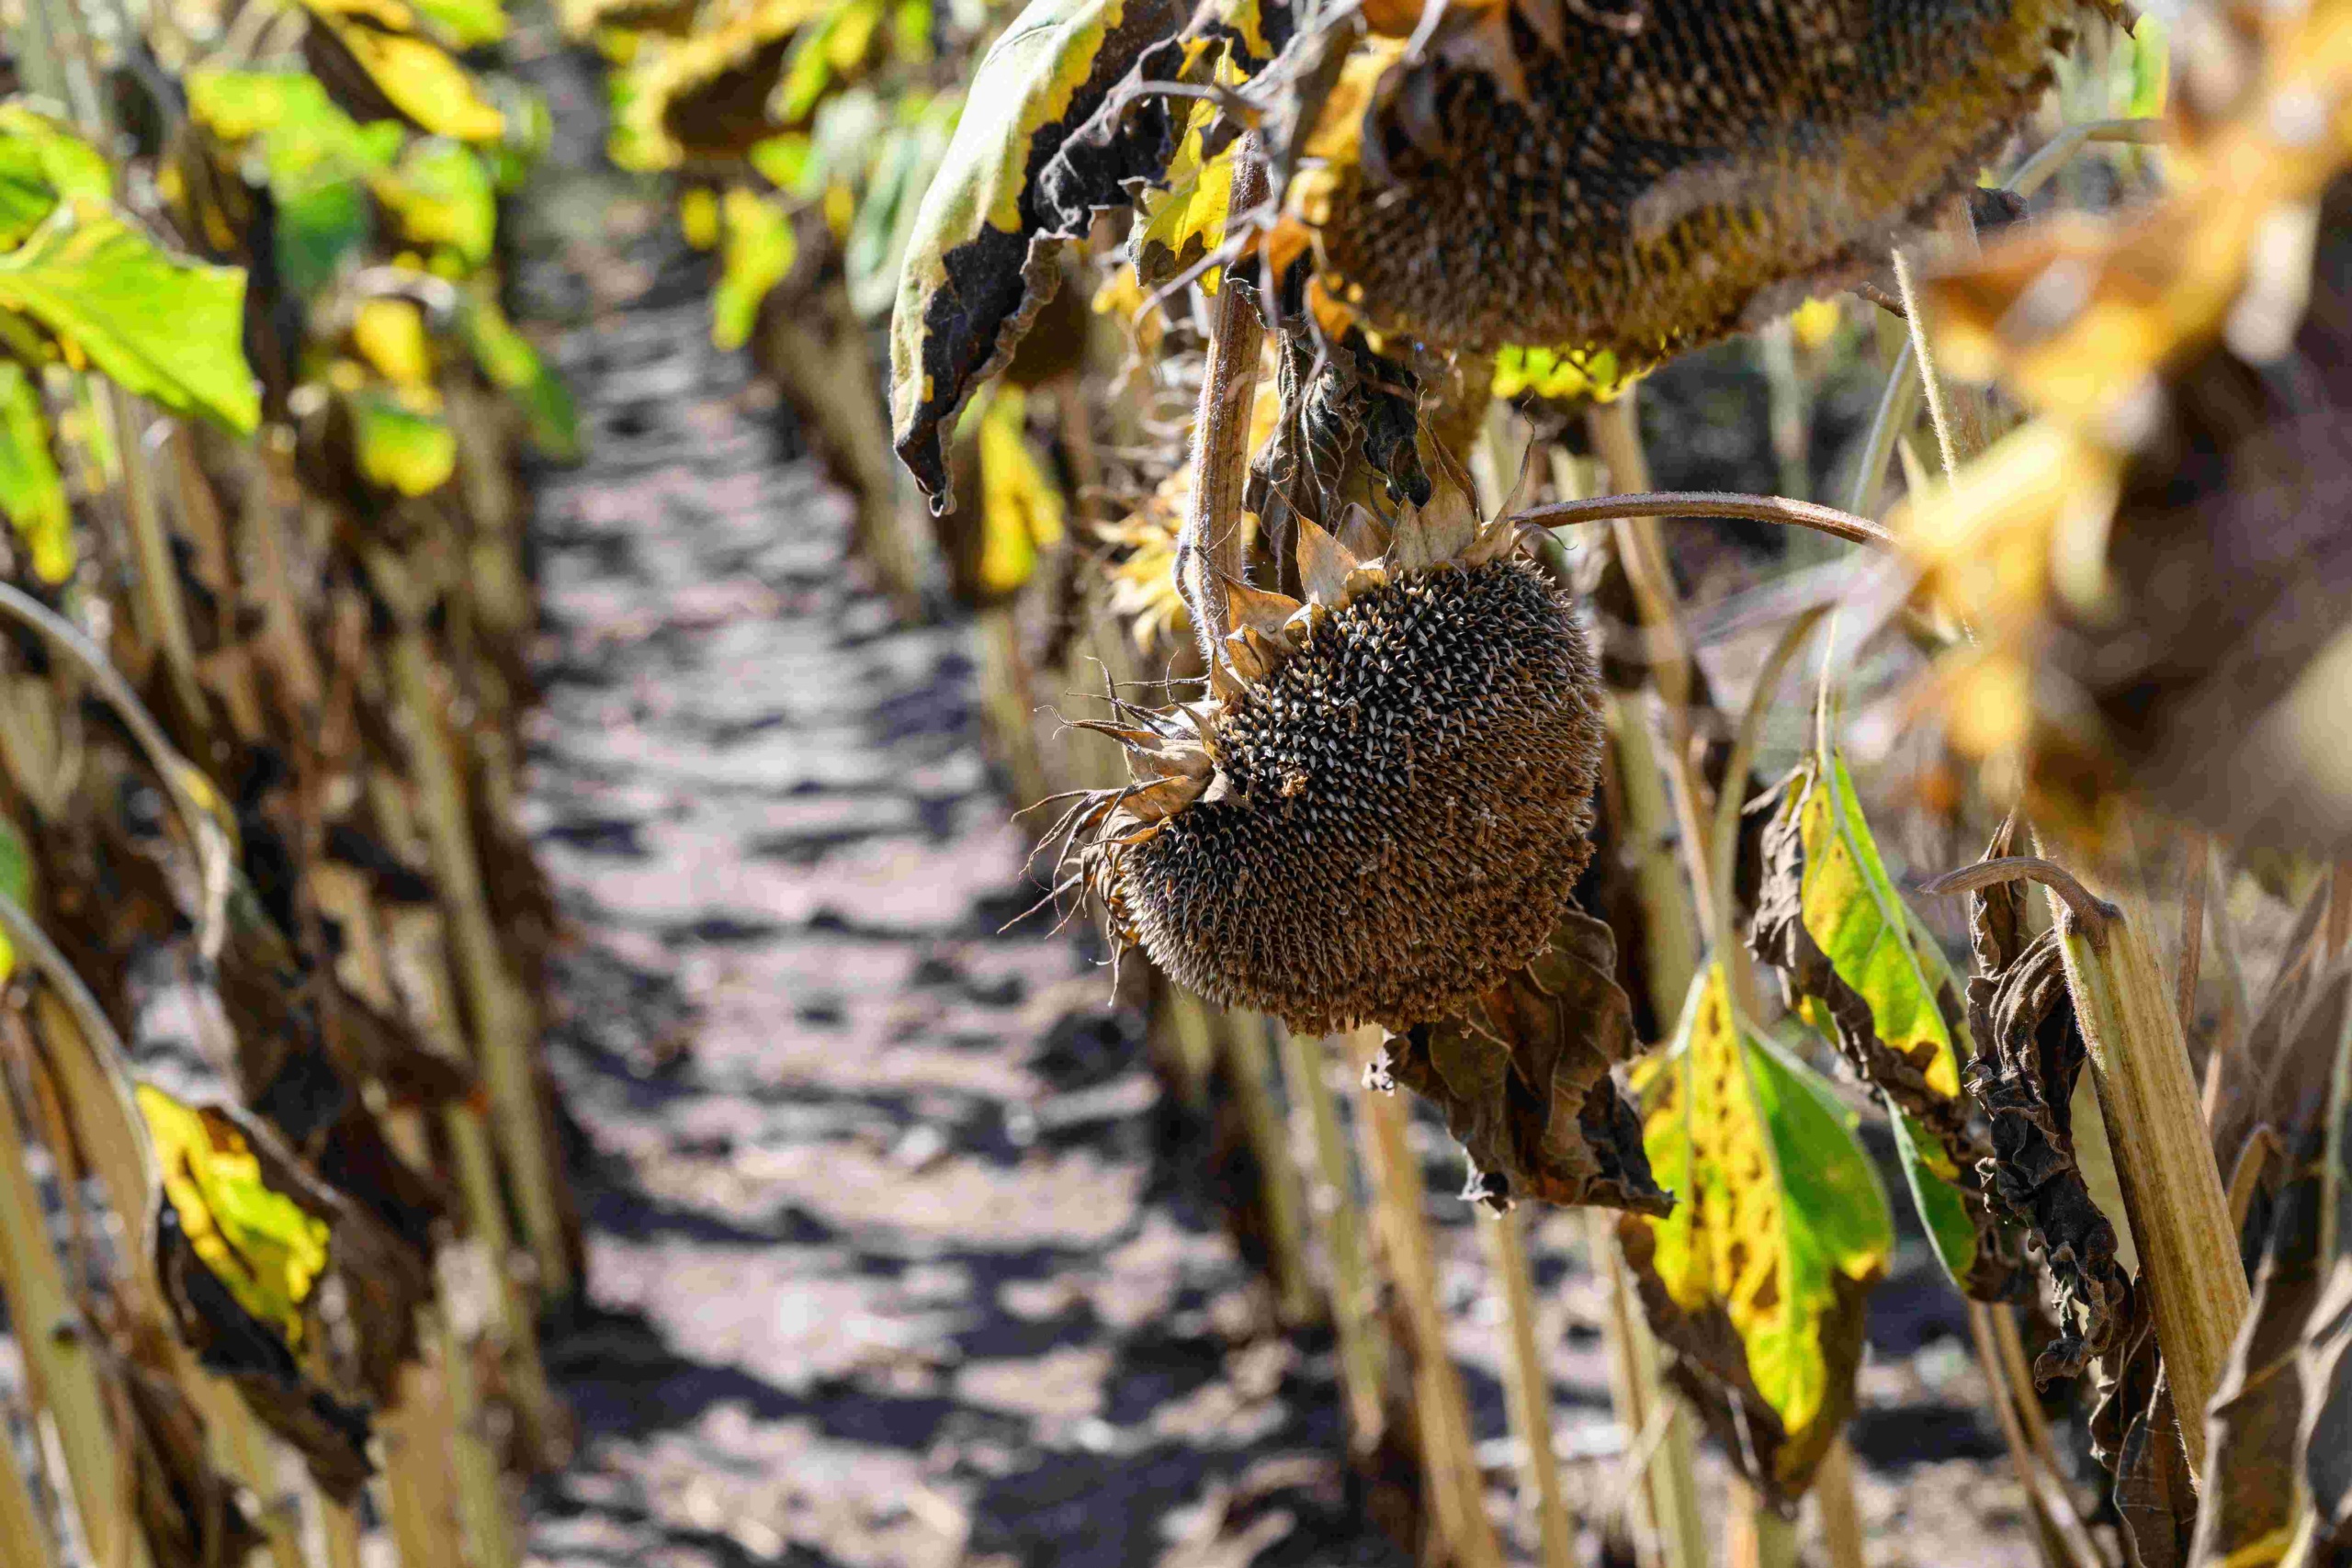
[[42, 161], [315, 160], [466, 24], [878, 240], [1558, 374], [2151, 66], [1943, 1207], [1756, 1278], [400, 446], [265, 1247], [756, 253], [441, 193], [155, 324], [826, 49], [30, 490], [514, 366], [16, 882], [980, 260], [1860, 966]]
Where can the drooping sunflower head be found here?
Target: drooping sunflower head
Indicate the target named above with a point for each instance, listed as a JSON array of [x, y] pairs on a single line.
[[1642, 179], [1382, 810]]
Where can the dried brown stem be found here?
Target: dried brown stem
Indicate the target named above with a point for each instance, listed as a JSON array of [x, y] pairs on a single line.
[[1208, 550], [1780, 509], [2091, 912]]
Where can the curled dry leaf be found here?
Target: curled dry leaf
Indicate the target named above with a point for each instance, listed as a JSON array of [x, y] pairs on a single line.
[[2135, 1433], [1019, 179], [1522, 1076], [1756, 1278], [1857, 965], [188, 1509], [2030, 1053]]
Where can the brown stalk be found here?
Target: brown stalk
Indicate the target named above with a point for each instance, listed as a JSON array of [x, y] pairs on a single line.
[[1528, 1394], [1464, 1535], [1208, 550], [1637, 505]]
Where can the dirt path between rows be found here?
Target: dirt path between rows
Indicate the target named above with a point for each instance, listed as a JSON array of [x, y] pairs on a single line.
[[885, 1265]]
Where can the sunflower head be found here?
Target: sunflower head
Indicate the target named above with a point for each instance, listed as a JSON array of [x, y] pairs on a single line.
[[1642, 179], [1382, 807]]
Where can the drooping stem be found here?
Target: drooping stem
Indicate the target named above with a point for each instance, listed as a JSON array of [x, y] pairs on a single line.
[[1209, 549], [1829, 520]]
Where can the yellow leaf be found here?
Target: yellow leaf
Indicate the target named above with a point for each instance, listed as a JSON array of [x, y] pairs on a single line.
[[698, 216], [265, 1247], [1022, 505], [1779, 1226], [390, 334]]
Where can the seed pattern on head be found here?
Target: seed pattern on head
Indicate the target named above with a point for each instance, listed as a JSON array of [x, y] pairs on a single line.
[[1646, 190], [1398, 807]]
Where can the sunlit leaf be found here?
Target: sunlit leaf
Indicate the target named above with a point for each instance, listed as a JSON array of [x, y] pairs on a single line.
[[441, 193], [42, 161], [1021, 503], [754, 255], [315, 159], [16, 882], [154, 323], [1185, 221], [512, 364], [698, 216], [404, 443], [467, 24], [1756, 1278], [980, 259], [832, 46], [31, 493], [714, 94], [267, 1248], [415, 76], [390, 335], [1558, 374]]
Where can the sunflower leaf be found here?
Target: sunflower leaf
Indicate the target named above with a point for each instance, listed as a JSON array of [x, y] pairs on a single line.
[[1857, 962], [157, 324], [982, 257], [31, 493], [1756, 1278]]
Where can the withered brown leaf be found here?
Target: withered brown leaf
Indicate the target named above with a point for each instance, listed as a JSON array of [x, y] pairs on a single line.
[[2028, 1054], [1522, 1077]]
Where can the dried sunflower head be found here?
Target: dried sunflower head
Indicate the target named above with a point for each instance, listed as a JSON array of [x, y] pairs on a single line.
[[1641, 181], [1382, 808]]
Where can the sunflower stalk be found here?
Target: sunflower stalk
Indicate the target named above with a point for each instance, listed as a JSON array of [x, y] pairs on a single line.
[[1530, 1389], [1461, 1534], [1209, 552], [1242, 1036], [1331, 1202], [501, 1015]]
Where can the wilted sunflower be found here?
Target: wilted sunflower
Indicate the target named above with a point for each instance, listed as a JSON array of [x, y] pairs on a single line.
[[1383, 806], [1642, 180]]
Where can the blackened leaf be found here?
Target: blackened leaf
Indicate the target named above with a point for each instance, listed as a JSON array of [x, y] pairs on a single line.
[[2029, 1054], [1857, 964], [1522, 1077], [983, 254], [1756, 1279]]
